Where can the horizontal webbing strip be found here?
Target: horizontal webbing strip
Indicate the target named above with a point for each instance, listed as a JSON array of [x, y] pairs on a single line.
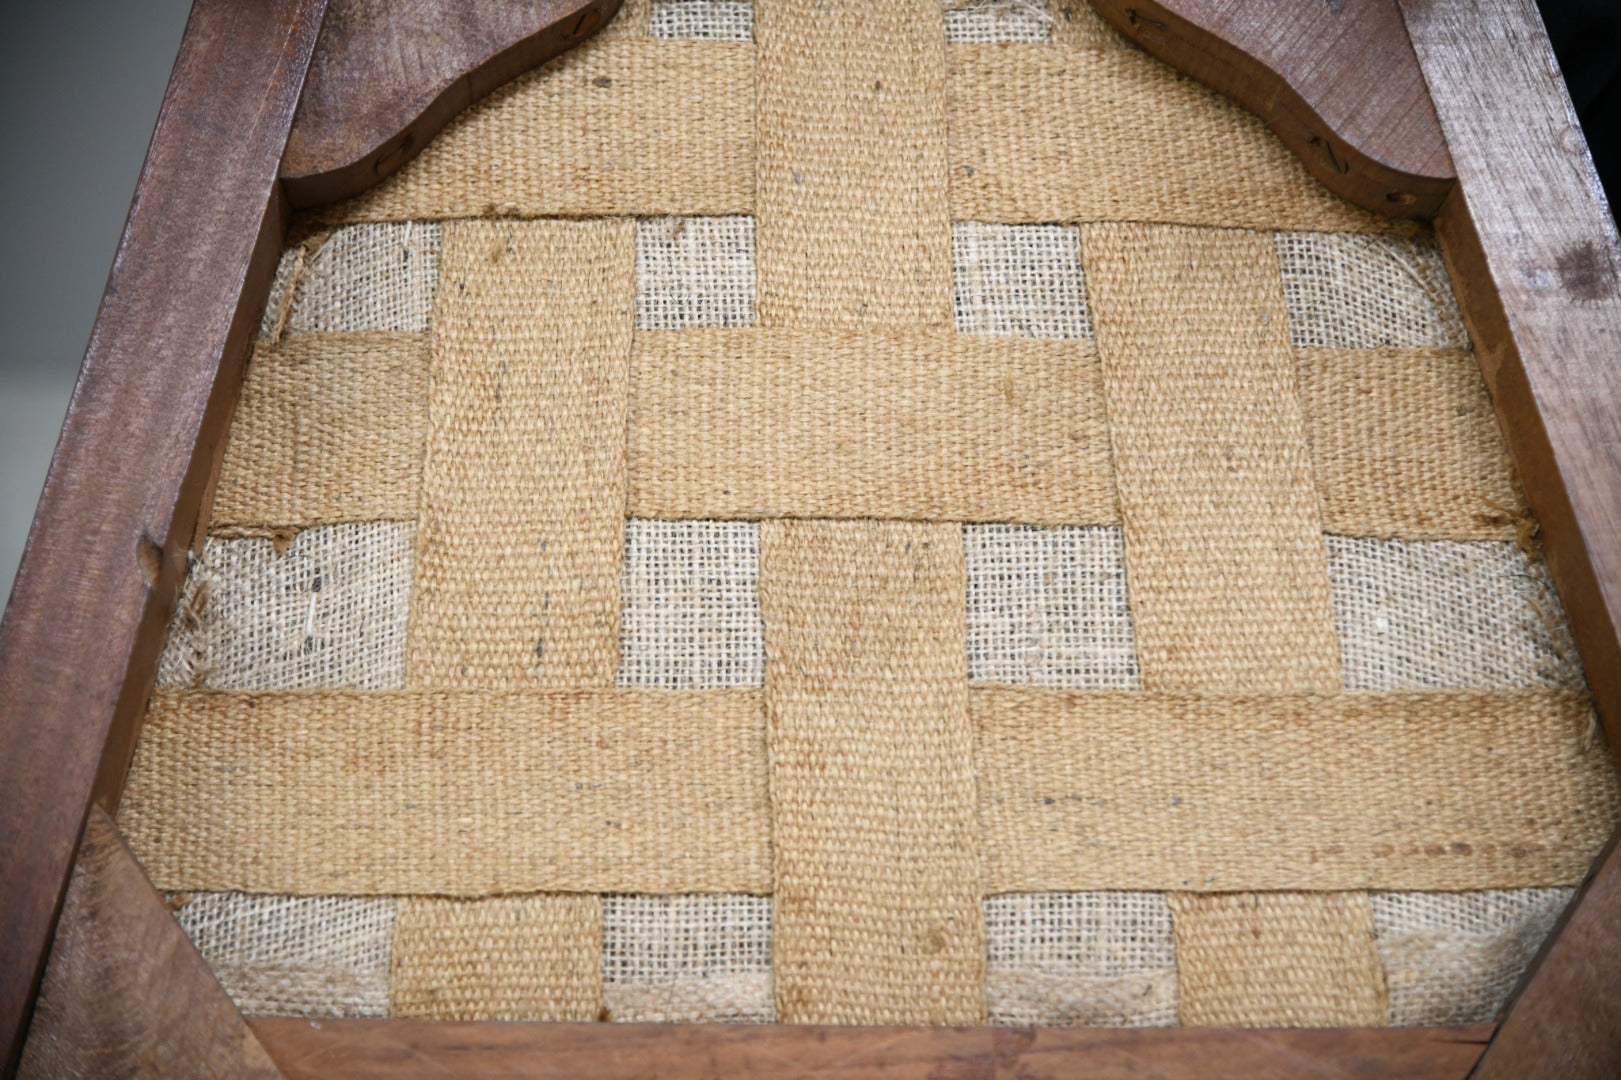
[[903, 424], [665, 791], [1427, 790], [1404, 444], [330, 429], [1112, 135], [613, 127], [644, 128], [453, 793]]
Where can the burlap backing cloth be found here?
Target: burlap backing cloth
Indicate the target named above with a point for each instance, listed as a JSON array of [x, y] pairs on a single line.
[[883, 512]]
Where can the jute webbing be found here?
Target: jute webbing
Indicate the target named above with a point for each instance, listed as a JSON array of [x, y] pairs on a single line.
[[450, 793], [853, 227], [665, 791], [874, 843], [1277, 960], [1113, 135], [330, 429], [909, 424], [504, 958], [1216, 793], [613, 127], [523, 500], [1405, 444], [1224, 549]]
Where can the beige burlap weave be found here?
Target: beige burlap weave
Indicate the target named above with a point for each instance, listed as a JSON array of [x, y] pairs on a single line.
[[818, 510]]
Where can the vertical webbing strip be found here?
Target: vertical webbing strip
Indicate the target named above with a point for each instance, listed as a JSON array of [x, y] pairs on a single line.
[[523, 500], [1277, 960], [1228, 572], [853, 222], [502, 958], [878, 917], [1224, 550]]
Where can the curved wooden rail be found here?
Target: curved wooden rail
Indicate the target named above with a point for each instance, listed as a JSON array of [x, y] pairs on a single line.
[[387, 75], [1336, 80]]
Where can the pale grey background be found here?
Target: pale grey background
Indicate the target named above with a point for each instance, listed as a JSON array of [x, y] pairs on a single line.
[[81, 81]]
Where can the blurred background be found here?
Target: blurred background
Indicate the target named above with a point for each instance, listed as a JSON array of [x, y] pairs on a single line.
[[82, 80]]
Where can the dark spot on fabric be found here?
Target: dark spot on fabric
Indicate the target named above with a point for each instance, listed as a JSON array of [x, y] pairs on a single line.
[[602, 80]]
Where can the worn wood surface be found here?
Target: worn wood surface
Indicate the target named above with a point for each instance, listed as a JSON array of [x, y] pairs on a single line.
[[82, 631], [377, 1048], [388, 74], [1337, 81], [1536, 258], [125, 993]]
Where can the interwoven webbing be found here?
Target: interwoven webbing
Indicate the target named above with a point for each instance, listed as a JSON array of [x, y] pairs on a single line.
[[829, 511]]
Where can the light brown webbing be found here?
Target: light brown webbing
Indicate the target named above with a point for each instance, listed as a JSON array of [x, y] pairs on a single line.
[[866, 512]]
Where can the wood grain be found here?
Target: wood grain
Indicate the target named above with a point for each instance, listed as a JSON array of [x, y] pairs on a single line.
[[389, 74], [125, 993], [361, 1049], [1337, 82], [1536, 258], [126, 490], [1535, 255]]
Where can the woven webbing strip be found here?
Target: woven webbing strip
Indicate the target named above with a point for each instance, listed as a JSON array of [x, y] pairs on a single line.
[[906, 424], [1224, 548], [523, 500], [851, 158], [1277, 960], [1404, 444], [874, 841], [613, 127], [665, 791], [504, 958], [450, 793], [1111, 135], [1216, 793], [330, 429]]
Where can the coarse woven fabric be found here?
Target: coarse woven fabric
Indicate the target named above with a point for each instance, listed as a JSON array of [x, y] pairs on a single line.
[[327, 610], [330, 428], [652, 128], [523, 496], [1453, 958], [983, 22], [1019, 280], [694, 272], [874, 844], [1449, 615], [1104, 959], [501, 958], [904, 424], [703, 20], [1057, 135], [687, 959], [452, 794], [851, 175], [363, 277], [1405, 445], [1223, 539], [295, 955], [1220, 793], [1047, 607], [1277, 960], [691, 618], [1367, 292]]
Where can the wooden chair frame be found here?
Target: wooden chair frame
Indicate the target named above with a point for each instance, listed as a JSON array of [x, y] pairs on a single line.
[[269, 107]]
